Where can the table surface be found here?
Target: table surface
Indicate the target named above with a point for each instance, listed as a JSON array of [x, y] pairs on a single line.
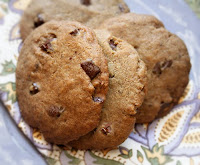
[[15, 149]]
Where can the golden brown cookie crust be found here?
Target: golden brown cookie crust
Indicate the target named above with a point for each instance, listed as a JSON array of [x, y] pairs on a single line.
[[127, 88], [165, 55], [62, 80], [39, 12]]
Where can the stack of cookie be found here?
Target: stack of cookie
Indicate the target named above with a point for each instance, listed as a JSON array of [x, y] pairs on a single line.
[[89, 70]]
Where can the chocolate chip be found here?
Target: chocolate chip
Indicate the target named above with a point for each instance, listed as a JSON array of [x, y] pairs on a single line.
[[86, 2], [74, 32], [161, 66], [98, 99], [106, 130], [90, 69], [166, 64], [112, 44], [163, 107], [34, 89], [36, 67], [47, 46], [111, 75], [121, 8], [55, 111], [157, 69], [39, 20]]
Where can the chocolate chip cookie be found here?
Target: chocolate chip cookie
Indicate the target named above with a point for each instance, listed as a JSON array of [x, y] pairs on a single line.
[[102, 6], [165, 55], [89, 12], [127, 88], [62, 80]]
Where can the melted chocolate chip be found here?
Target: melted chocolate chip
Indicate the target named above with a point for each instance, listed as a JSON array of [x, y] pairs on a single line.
[[90, 69], [98, 99], [106, 130], [112, 44], [166, 64], [121, 8], [157, 69], [163, 107], [74, 32], [34, 89], [47, 46], [39, 20], [111, 75], [55, 111], [86, 2], [161, 66]]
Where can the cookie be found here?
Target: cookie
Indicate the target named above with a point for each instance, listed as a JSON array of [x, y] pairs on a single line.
[[127, 88], [89, 12], [102, 6], [62, 80], [165, 55]]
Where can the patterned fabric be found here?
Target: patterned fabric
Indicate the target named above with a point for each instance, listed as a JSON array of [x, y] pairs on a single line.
[[195, 5], [173, 139]]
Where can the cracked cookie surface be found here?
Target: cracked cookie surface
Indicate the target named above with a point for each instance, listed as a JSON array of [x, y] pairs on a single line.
[[62, 80]]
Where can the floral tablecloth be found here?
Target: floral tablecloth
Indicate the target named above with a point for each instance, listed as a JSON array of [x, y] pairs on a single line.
[[174, 139]]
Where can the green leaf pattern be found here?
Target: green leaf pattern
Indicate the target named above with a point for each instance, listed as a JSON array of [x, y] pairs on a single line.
[[10, 88], [8, 68], [74, 160], [3, 7], [178, 163], [50, 161], [140, 156], [156, 156], [195, 5], [125, 152], [6, 1], [103, 161]]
